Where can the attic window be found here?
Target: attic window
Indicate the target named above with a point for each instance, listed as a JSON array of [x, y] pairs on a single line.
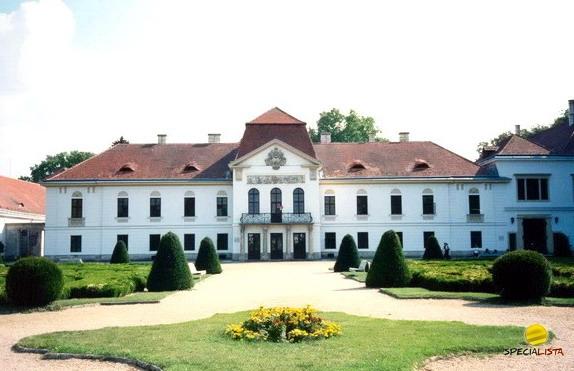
[[420, 165], [356, 166], [127, 168], [191, 167]]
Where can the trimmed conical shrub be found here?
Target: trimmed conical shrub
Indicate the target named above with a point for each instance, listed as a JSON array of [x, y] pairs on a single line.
[[207, 259], [432, 250], [120, 254], [169, 271], [389, 268], [34, 281], [348, 255]]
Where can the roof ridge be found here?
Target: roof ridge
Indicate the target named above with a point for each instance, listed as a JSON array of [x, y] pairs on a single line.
[[268, 118]]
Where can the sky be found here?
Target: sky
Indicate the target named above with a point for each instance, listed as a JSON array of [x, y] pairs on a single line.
[[77, 74]]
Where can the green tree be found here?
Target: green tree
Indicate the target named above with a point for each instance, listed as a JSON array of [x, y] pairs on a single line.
[[345, 128], [207, 259], [389, 268], [169, 271], [54, 163], [348, 255], [120, 141], [120, 254], [432, 249]]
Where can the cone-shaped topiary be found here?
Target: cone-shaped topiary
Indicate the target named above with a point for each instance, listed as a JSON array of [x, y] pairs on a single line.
[[432, 249], [120, 254], [561, 245], [207, 259], [522, 275], [169, 271], [389, 268], [348, 255], [34, 281]]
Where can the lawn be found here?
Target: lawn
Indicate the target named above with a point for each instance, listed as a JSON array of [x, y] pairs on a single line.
[[201, 344]]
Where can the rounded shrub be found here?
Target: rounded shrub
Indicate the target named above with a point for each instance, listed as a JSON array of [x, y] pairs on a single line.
[[120, 254], [389, 268], [207, 259], [169, 270], [432, 249], [348, 256], [522, 275], [34, 281], [561, 245]]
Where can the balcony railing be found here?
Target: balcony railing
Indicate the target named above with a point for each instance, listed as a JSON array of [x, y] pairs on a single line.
[[276, 218]]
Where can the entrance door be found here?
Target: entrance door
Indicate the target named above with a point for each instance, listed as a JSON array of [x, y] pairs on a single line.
[[534, 234], [253, 246], [299, 248], [276, 245]]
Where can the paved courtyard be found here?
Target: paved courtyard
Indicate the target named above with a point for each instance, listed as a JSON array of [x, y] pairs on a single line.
[[245, 286]]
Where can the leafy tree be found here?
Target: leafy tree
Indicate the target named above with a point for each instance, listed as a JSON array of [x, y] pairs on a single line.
[[524, 133], [56, 162], [348, 255], [169, 271], [389, 268], [120, 141], [345, 128]]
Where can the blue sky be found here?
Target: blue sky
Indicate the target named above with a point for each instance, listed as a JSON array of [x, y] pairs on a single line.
[[77, 74]]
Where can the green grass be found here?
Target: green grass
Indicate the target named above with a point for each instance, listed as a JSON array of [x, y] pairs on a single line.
[[366, 344], [138, 297], [420, 293]]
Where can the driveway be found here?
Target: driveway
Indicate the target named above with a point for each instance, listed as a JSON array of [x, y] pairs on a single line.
[[244, 286]]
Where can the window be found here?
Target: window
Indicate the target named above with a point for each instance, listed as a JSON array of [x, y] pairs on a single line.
[[396, 205], [154, 240], [362, 205], [298, 201], [189, 241], [222, 206], [428, 205], [400, 235], [426, 236], [123, 237], [329, 205], [276, 206], [330, 241], [512, 241], [253, 201], [363, 240], [189, 206], [532, 189], [75, 243], [155, 207], [222, 241], [476, 239], [77, 208], [123, 207], [473, 204]]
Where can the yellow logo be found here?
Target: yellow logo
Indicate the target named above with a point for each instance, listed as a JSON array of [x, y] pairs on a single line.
[[536, 334]]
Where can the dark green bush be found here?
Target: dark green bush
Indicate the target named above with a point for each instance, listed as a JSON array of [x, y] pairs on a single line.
[[34, 281], [389, 268], [432, 249], [348, 256], [207, 259], [120, 254], [561, 245], [170, 270], [443, 282], [522, 275]]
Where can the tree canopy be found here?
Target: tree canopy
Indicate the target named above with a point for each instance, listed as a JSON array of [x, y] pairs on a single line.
[[120, 141], [56, 162], [351, 127], [524, 133]]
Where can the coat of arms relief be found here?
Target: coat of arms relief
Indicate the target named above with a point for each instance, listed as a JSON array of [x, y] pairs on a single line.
[[275, 159]]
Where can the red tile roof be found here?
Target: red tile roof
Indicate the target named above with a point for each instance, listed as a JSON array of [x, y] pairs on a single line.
[[392, 159], [18, 195], [255, 136], [276, 116], [155, 161], [516, 145], [558, 139]]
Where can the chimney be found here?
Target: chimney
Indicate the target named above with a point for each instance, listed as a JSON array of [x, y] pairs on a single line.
[[404, 136], [571, 112], [325, 137], [517, 129], [161, 138], [213, 138]]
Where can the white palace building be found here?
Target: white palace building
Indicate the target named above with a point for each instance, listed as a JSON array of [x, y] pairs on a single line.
[[276, 195]]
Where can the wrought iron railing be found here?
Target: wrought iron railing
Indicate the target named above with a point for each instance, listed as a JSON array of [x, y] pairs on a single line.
[[276, 218]]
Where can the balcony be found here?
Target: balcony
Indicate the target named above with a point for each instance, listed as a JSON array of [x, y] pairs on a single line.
[[276, 218]]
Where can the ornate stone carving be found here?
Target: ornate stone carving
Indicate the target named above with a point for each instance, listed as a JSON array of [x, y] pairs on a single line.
[[275, 179], [275, 159]]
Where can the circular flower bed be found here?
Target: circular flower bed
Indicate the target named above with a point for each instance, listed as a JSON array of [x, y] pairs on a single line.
[[284, 324]]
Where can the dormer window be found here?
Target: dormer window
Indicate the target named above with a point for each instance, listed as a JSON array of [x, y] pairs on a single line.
[[420, 165], [356, 166], [127, 168], [190, 167]]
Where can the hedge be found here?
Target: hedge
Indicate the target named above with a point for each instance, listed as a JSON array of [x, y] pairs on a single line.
[[522, 275], [34, 281]]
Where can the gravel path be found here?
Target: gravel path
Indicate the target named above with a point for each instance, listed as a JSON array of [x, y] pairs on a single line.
[[247, 285]]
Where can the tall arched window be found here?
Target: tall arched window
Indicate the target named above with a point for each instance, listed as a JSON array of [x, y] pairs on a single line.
[[155, 205], [77, 206], [253, 201], [123, 205], [298, 201], [276, 206], [474, 202], [428, 202]]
